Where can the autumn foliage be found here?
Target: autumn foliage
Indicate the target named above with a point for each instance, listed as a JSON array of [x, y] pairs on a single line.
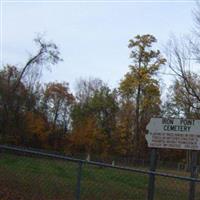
[[95, 119]]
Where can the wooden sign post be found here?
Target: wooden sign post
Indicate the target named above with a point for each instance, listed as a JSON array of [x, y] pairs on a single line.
[[194, 174], [153, 162]]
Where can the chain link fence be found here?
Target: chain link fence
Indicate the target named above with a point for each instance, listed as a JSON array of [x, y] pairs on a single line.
[[27, 174]]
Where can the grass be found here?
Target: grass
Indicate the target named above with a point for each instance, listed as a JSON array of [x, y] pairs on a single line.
[[29, 178]]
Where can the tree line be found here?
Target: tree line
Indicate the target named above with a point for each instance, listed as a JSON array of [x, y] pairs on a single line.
[[95, 119]]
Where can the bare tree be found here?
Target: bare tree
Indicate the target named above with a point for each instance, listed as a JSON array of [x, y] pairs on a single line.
[[85, 88], [46, 55], [180, 55], [183, 57]]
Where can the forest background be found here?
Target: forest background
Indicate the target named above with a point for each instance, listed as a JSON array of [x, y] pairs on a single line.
[[96, 120]]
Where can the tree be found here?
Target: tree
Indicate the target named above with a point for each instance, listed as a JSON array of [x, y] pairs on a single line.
[[36, 130], [124, 128], [58, 101], [12, 105], [88, 138], [18, 94], [138, 83], [182, 53], [180, 104], [57, 104], [47, 54], [96, 102]]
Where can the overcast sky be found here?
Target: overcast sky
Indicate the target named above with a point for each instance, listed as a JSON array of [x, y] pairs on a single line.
[[92, 37]]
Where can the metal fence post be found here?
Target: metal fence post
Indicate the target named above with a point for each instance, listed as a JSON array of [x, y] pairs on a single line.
[[78, 186], [193, 175], [153, 163], [1, 150]]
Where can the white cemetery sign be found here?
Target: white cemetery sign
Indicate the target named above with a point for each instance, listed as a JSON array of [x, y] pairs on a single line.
[[173, 133]]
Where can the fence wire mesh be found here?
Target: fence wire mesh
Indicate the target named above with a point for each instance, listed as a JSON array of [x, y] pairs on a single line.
[[168, 188], [38, 176]]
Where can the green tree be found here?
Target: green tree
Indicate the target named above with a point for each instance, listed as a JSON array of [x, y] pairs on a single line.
[[97, 103], [138, 85]]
